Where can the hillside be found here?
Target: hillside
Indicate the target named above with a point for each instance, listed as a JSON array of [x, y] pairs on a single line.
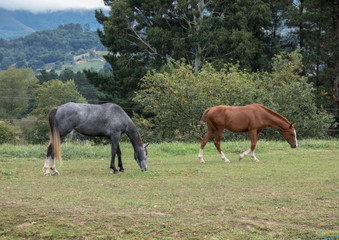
[[14, 24], [48, 49]]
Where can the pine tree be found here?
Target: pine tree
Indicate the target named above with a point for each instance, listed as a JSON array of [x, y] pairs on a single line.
[[145, 34]]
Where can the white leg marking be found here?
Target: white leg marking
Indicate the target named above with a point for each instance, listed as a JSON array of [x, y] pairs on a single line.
[[53, 168], [223, 157], [45, 169], [254, 157], [200, 156], [244, 154]]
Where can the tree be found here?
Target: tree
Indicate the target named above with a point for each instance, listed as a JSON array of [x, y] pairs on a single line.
[[141, 35], [16, 90], [176, 99], [51, 94], [316, 29], [54, 93]]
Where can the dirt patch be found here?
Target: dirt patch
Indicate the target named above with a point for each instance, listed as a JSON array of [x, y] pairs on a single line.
[[25, 225]]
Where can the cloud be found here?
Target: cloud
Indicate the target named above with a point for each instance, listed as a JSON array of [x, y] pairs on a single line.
[[51, 5]]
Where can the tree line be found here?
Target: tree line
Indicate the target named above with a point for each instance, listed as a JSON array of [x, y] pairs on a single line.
[[170, 60], [142, 35], [48, 46]]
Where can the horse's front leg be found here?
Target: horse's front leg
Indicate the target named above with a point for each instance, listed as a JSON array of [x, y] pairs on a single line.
[[114, 149], [121, 168], [254, 138]]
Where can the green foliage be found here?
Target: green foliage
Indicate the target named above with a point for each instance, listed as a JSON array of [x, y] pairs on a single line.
[[315, 26], [176, 99], [16, 89], [9, 133], [142, 35], [51, 94], [54, 93], [47, 46], [38, 134]]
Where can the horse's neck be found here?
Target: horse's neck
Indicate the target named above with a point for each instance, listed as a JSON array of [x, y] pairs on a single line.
[[134, 136], [278, 122]]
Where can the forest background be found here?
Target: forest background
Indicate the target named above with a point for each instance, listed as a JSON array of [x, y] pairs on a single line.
[[165, 62]]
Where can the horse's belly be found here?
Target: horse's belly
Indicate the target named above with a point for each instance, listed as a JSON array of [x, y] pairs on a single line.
[[237, 125]]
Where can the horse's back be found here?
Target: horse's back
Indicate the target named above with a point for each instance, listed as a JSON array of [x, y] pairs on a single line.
[[92, 119], [234, 118]]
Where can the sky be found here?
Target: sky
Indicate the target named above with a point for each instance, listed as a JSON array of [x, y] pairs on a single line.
[[51, 5]]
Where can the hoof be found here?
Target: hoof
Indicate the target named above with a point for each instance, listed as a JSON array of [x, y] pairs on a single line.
[[226, 160], [47, 174], [255, 160], [202, 161], [122, 170], [116, 172], [56, 174]]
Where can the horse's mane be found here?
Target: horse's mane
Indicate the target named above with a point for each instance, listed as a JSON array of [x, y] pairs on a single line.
[[274, 113]]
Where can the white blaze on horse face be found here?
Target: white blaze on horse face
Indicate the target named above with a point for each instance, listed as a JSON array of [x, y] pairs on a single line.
[[295, 136], [223, 157], [200, 156]]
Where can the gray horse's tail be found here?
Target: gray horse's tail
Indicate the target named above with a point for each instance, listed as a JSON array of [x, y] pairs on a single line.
[[54, 135], [203, 116]]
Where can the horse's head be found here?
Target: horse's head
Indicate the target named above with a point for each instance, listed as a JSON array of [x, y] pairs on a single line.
[[290, 136], [140, 156]]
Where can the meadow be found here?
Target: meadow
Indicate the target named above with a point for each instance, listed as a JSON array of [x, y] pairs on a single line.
[[289, 194]]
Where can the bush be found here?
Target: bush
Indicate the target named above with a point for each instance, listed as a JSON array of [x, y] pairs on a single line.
[[175, 100], [9, 133]]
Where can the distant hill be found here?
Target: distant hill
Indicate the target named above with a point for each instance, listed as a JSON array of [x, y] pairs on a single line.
[[68, 45], [14, 24]]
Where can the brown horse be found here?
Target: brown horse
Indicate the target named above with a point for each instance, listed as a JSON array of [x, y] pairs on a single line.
[[252, 118]]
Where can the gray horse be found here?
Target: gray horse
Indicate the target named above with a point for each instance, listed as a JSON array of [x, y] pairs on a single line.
[[108, 120]]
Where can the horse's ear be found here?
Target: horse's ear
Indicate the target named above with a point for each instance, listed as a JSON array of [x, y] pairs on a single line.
[[292, 125]]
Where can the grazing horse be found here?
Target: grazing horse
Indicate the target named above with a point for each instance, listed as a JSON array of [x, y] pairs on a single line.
[[252, 118], [108, 120]]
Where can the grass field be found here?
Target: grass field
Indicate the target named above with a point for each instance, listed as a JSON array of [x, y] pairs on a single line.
[[289, 194]]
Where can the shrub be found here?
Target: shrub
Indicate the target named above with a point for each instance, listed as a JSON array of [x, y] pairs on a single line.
[[9, 133], [175, 100]]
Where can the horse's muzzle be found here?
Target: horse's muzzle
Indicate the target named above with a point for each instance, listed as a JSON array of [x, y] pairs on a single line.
[[293, 146], [143, 166]]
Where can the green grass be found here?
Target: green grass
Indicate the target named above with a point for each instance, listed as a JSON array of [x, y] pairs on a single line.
[[289, 194]]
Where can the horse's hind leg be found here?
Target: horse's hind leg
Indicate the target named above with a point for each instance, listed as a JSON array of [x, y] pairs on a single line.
[[50, 159], [217, 140], [49, 156], [121, 168], [53, 168], [204, 141]]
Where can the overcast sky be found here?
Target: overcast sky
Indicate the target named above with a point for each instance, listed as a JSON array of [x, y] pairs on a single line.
[[50, 5]]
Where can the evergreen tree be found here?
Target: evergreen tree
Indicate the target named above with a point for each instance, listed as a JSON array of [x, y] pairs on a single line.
[[316, 30], [141, 35]]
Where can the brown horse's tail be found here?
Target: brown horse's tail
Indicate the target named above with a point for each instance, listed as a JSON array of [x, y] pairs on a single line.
[[203, 116], [54, 135]]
